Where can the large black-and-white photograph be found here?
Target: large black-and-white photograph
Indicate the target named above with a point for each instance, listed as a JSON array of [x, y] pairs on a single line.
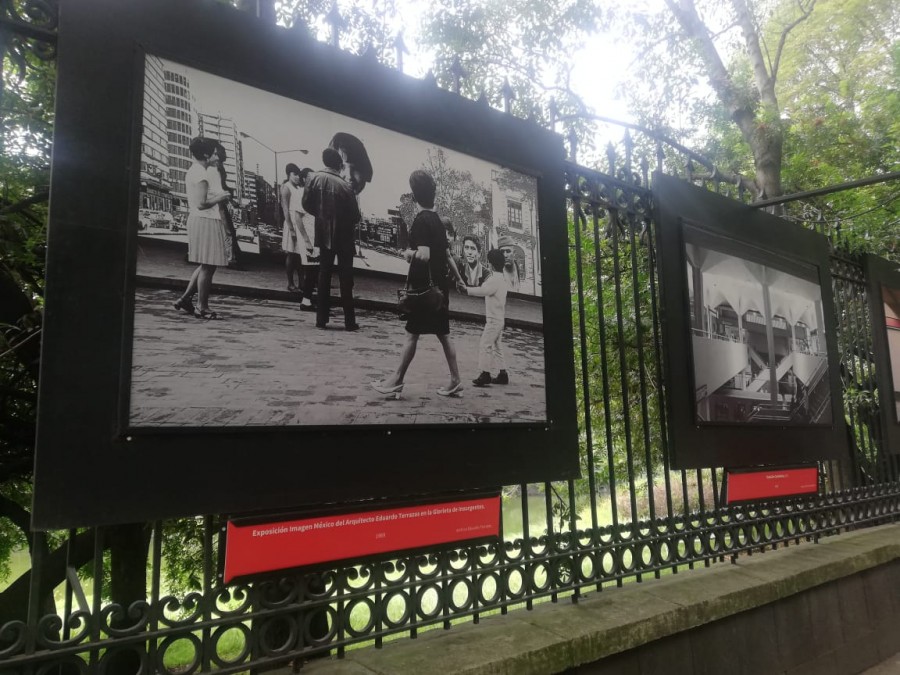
[[758, 340], [274, 241], [891, 299]]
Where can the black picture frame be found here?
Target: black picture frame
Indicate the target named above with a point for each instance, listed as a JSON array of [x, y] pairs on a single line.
[[741, 231], [880, 274], [87, 456]]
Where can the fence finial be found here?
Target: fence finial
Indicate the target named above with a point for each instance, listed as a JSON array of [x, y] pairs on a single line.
[[554, 114], [337, 22], [508, 95], [369, 52], [483, 99], [430, 79], [400, 49], [458, 73], [629, 146]]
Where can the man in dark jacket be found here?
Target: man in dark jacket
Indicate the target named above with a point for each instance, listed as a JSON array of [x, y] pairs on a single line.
[[332, 201]]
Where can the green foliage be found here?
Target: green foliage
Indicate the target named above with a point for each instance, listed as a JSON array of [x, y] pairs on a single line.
[[836, 74], [182, 551], [26, 105], [840, 88], [526, 43], [618, 338]]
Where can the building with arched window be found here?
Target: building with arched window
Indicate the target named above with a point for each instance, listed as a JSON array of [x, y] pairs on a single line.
[[758, 341]]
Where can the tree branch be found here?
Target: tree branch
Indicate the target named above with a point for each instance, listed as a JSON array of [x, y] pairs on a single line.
[[14, 600], [17, 515], [685, 13], [765, 81], [804, 14], [23, 204]]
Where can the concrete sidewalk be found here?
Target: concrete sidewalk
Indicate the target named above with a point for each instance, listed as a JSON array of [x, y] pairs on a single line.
[[162, 264]]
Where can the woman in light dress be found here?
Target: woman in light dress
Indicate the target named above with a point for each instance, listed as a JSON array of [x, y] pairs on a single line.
[[205, 229]]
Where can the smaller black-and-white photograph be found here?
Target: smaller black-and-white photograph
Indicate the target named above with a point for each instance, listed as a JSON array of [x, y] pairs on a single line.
[[758, 340], [891, 298]]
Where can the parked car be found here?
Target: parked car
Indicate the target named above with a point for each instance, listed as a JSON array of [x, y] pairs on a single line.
[[245, 234], [156, 219], [162, 218], [179, 222]]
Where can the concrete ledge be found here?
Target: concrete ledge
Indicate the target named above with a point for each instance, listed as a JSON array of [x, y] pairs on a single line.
[[555, 637]]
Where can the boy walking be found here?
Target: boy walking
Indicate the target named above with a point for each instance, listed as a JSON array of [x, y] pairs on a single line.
[[490, 350]]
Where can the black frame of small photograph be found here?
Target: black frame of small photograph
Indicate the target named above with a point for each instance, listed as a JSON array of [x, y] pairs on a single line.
[[882, 273], [87, 458], [747, 233]]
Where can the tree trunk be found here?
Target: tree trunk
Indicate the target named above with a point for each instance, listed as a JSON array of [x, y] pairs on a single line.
[[767, 154], [761, 129]]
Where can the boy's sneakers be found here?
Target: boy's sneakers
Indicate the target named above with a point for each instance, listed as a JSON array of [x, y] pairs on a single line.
[[502, 378], [482, 380]]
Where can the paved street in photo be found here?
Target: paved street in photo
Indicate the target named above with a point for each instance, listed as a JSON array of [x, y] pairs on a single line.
[[263, 362]]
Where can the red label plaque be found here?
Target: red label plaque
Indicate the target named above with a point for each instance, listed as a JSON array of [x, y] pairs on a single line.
[[745, 486], [267, 547]]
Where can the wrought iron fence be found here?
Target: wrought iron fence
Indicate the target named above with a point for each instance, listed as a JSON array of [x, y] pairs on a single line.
[[630, 517]]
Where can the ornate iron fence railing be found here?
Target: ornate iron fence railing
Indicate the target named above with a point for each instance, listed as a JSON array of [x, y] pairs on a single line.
[[629, 518]]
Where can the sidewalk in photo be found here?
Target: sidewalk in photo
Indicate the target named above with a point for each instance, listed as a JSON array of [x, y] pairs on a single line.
[[161, 264], [264, 363]]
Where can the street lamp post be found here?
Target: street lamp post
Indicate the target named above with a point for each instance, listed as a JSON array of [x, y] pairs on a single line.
[[274, 152]]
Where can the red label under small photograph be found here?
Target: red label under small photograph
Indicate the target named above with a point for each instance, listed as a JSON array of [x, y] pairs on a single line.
[[267, 547], [744, 486]]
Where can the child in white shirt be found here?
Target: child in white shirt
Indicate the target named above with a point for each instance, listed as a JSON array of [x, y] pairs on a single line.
[[490, 349]]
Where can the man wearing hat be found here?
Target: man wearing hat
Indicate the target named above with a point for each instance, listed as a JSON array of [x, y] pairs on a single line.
[[332, 201], [511, 266]]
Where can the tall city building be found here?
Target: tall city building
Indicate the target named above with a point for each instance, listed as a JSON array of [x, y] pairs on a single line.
[[224, 130], [155, 191], [266, 201], [180, 131], [249, 193]]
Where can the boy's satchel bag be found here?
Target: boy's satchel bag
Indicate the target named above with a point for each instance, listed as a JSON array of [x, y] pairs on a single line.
[[425, 300]]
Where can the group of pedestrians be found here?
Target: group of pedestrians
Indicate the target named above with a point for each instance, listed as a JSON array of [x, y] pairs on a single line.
[[328, 198]]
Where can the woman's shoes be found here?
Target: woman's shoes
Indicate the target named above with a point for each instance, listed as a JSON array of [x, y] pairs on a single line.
[[207, 315], [185, 305], [451, 391], [395, 390]]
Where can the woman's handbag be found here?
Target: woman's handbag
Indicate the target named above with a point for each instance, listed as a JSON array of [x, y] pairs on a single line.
[[425, 300]]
